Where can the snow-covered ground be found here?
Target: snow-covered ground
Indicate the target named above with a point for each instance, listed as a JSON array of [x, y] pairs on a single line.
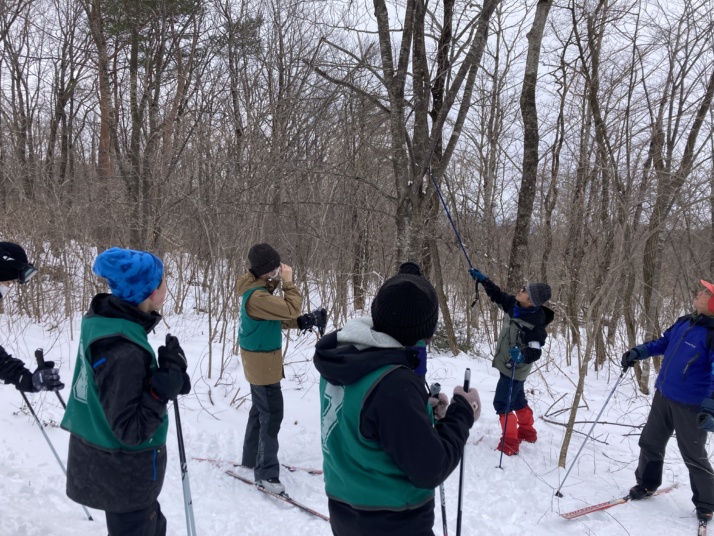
[[516, 500]]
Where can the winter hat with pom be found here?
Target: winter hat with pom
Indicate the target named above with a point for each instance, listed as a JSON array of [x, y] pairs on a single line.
[[410, 267], [132, 275], [406, 308]]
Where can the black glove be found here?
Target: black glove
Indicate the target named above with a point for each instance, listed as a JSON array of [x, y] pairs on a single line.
[[186, 388], [171, 355], [632, 355], [316, 318], [24, 382], [531, 355], [705, 418], [45, 378], [168, 383]]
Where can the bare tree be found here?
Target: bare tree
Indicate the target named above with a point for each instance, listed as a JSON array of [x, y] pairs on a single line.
[[531, 140]]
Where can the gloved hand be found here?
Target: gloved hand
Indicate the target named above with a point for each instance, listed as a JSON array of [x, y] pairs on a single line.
[[705, 418], [186, 387], [439, 403], [168, 383], [637, 353], [531, 355], [171, 355], [471, 397], [477, 275], [317, 318], [516, 355], [45, 378]]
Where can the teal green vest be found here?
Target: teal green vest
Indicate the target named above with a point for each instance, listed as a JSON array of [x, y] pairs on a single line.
[[357, 470], [84, 416], [258, 335]]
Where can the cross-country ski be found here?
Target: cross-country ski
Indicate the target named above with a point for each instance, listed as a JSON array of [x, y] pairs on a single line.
[[609, 504], [280, 496]]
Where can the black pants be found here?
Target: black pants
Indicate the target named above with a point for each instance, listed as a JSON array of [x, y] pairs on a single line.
[[518, 395], [348, 521], [260, 446], [666, 417], [147, 522]]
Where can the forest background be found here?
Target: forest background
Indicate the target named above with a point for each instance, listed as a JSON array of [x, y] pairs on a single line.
[[572, 143]]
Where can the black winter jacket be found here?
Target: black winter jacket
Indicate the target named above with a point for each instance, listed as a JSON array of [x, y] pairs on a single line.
[[395, 415], [12, 370], [120, 481]]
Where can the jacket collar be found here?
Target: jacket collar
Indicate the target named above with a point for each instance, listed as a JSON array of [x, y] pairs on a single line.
[[109, 306]]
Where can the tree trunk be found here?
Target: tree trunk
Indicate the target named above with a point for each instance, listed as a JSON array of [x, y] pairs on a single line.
[[529, 112]]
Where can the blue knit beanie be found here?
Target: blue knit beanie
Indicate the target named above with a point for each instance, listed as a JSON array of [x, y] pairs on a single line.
[[132, 275]]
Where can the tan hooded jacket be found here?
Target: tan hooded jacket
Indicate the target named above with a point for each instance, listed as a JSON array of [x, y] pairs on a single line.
[[266, 368]]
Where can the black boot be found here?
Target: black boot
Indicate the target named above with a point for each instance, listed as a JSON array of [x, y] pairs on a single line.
[[639, 492], [704, 514]]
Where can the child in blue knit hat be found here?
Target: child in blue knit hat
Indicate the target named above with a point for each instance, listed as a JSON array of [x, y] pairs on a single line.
[[116, 412]]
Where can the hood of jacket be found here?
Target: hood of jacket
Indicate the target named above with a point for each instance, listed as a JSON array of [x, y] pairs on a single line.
[[248, 281], [538, 316], [345, 356], [109, 306]]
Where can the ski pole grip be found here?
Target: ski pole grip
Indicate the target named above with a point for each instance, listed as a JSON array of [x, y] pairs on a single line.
[[40, 357], [467, 379]]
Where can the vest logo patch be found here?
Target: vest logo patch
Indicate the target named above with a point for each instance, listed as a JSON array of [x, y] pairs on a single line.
[[335, 396], [81, 386]]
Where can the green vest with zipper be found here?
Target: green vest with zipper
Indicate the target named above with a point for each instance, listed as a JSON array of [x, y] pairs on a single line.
[[84, 416], [258, 335], [357, 470]]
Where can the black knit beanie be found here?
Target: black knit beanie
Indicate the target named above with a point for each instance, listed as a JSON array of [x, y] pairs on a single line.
[[410, 267], [406, 308], [538, 293], [12, 259], [263, 259]]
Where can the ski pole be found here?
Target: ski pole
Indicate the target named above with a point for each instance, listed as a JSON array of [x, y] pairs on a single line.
[[40, 358], [453, 226], [434, 391], [467, 381], [557, 492], [448, 214], [508, 413], [187, 500], [59, 461]]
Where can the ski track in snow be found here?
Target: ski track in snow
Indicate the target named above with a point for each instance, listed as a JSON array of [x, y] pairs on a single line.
[[515, 500]]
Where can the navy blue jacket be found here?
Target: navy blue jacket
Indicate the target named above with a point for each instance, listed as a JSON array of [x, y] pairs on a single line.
[[686, 373]]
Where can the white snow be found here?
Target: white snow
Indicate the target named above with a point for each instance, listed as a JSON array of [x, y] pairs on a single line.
[[516, 500]]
